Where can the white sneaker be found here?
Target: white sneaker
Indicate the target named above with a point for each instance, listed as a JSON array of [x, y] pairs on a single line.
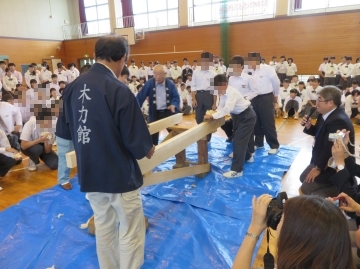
[[232, 174], [285, 115], [296, 116], [32, 165], [273, 151], [256, 147], [231, 155], [251, 160]]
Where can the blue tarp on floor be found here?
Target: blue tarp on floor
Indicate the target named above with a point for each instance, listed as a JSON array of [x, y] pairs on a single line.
[[194, 223]]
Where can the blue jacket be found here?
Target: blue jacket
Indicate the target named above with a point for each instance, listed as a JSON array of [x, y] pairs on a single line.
[[147, 91], [108, 130]]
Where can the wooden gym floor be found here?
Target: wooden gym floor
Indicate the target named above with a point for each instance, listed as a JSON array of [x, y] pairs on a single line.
[[20, 183]]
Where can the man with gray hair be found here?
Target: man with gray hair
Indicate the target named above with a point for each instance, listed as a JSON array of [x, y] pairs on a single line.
[[332, 117], [110, 134], [164, 99]]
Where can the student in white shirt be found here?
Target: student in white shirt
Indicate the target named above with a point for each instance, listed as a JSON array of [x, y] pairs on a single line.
[[37, 138], [278, 106], [304, 95], [293, 101], [62, 86], [346, 72], [184, 95], [185, 63], [189, 97], [273, 62], [188, 81], [195, 66], [354, 86], [31, 74], [133, 84], [322, 68], [124, 75], [9, 156], [186, 72], [167, 69], [217, 69], [203, 95], [284, 91], [24, 105], [352, 104], [35, 68], [142, 73], [244, 119], [145, 109], [30, 93], [11, 122], [176, 71], [133, 69], [150, 70], [45, 74], [9, 82], [281, 68], [356, 70], [223, 66], [291, 69], [73, 72], [2, 69], [53, 94], [294, 82], [338, 73], [15, 73], [312, 96], [330, 72], [62, 73], [54, 83]]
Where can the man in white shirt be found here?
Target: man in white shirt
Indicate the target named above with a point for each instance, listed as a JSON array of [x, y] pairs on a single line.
[[203, 95], [37, 139], [73, 73], [244, 119], [11, 123], [273, 62], [176, 71], [15, 73], [346, 71], [133, 69], [9, 82], [263, 104], [31, 74], [45, 74], [142, 73], [352, 104], [281, 68], [322, 68]]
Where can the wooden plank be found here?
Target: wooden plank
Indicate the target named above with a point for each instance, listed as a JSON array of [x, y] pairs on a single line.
[[159, 125], [71, 159], [164, 176], [176, 144]]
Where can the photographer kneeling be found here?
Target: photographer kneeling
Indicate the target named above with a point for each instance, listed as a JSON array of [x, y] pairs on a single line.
[[312, 233]]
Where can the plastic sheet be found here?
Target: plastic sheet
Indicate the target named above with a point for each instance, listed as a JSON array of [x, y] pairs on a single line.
[[194, 223]]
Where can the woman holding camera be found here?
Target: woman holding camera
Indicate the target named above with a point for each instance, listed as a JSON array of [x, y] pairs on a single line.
[[312, 233]]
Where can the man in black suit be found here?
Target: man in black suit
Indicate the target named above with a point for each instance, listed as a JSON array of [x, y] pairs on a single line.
[[332, 117]]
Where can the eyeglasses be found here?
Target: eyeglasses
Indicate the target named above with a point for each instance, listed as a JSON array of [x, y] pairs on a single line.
[[318, 100]]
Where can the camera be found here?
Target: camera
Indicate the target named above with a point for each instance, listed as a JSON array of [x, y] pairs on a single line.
[[275, 210], [335, 136]]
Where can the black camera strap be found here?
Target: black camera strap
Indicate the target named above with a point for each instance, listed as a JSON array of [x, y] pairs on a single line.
[[269, 260]]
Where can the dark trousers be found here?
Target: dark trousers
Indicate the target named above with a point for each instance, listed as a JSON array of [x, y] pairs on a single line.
[[243, 138], [321, 186], [160, 114], [186, 110], [322, 79], [354, 112], [329, 81], [281, 77], [37, 151], [228, 128], [337, 80], [6, 163], [357, 78], [263, 106], [14, 141], [205, 101], [345, 83]]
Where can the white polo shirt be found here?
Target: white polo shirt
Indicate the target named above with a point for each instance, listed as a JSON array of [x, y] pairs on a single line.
[[245, 85], [201, 80], [10, 116]]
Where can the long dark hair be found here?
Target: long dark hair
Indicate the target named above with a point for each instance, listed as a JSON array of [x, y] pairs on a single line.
[[314, 235]]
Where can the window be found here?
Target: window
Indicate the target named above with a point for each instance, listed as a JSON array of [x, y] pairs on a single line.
[[216, 11], [155, 14], [311, 6], [97, 17]]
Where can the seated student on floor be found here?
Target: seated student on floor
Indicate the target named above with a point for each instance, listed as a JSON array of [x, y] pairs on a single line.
[[184, 95], [37, 139], [53, 94], [352, 104], [8, 155], [312, 234], [244, 119], [293, 102]]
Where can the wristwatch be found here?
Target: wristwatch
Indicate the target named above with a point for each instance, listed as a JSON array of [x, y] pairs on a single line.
[[340, 167]]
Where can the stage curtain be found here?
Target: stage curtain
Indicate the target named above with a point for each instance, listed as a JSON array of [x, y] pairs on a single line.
[[84, 28], [297, 4], [127, 11]]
